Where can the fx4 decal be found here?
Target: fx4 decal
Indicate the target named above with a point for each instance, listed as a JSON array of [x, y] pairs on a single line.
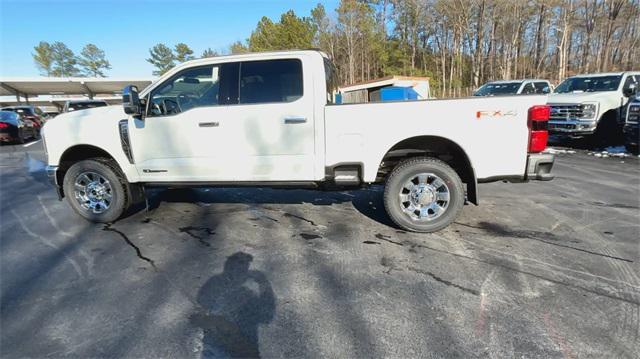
[[496, 113]]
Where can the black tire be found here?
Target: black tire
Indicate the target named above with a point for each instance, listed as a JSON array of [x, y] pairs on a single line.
[[608, 131], [119, 189], [407, 170], [21, 137]]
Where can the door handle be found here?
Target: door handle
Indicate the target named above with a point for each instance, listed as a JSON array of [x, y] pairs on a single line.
[[209, 124], [294, 120]]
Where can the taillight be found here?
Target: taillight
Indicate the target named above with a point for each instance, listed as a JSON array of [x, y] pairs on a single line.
[[538, 125], [3, 125]]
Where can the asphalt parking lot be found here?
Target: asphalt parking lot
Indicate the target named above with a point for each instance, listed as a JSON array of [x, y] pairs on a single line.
[[538, 270]]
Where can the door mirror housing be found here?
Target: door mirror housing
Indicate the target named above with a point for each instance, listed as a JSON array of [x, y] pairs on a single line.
[[131, 101], [630, 91]]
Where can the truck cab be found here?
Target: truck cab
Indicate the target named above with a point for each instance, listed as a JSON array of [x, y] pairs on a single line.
[[585, 104]]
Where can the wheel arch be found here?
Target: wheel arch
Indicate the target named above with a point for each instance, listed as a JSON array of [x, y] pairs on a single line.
[[439, 147], [78, 153]]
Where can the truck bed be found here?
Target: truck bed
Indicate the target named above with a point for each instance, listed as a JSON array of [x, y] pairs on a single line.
[[492, 131]]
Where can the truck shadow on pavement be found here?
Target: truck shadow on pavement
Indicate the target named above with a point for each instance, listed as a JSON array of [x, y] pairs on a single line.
[[367, 201], [234, 304]]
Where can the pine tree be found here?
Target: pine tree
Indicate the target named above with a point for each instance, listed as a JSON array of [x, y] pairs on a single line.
[[162, 58], [43, 58], [93, 61], [64, 61], [209, 53], [183, 53]]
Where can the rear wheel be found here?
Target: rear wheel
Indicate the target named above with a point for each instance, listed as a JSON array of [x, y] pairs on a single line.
[[423, 195], [21, 137], [96, 190]]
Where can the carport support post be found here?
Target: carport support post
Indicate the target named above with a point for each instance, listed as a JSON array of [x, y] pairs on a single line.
[[11, 89], [86, 88]]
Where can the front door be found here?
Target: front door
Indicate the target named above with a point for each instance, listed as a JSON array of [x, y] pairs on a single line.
[[175, 141]]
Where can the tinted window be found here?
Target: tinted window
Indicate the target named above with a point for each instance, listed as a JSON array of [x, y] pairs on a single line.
[[528, 89], [228, 93], [542, 87], [493, 89], [270, 81]]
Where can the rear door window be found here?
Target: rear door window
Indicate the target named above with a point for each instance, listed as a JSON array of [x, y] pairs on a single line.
[[270, 81], [542, 87], [528, 89]]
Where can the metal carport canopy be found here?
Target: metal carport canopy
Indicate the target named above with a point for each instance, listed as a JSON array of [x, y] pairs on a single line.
[[89, 86], [56, 101]]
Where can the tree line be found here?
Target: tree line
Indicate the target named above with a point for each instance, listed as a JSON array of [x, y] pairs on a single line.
[[163, 58], [57, 59], [461, 44], [458, 44]]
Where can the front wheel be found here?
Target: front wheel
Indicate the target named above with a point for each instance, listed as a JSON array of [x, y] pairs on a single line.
[[423, 195], [96, 190]]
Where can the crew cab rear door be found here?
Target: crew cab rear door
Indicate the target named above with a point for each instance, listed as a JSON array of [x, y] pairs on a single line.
[[269, 134]]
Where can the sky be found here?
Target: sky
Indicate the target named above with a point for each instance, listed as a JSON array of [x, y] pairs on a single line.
[[126, 30]]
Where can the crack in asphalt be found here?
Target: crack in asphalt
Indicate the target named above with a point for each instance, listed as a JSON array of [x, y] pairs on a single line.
[[534, 275], [388, 239], [208, 231], [286, 214], [492, 228], [107, 227], [385, 263], [444, 281]]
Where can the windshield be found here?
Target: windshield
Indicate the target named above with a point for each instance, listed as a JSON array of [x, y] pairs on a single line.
[[85, 105], [589, 84], [503, 88]]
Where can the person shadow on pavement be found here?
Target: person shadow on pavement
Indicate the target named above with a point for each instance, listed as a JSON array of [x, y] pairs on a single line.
[[234, 304]]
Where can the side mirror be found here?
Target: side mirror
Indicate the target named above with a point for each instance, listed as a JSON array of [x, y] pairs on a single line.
[[630, 91], [131, 101]]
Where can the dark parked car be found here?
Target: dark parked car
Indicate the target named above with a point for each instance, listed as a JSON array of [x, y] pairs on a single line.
[[14, 129], [28, 112]]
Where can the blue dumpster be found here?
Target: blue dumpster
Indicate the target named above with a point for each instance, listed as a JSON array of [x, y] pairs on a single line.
[[393, 93]]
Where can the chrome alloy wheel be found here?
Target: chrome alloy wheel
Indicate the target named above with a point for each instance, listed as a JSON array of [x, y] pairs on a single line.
[[93, 192], [424, 197]]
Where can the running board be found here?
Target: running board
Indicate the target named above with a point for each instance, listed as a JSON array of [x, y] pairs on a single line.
[[231, 184]]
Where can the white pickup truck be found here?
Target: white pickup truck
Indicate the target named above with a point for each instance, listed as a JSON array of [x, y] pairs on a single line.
[[268, 119], [592, 104]]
